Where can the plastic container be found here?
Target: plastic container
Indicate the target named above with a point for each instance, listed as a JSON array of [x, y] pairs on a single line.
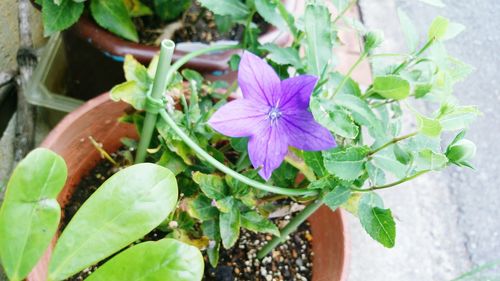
[[48, 85]]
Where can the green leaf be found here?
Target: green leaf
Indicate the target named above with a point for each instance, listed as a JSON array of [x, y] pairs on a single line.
[[130, 92], [402, 155], [318, 32], [345, 164], [376, 175], [439, 28], [211, 230], [454, 29], [172, 162], [430, 160], [340, 4], [453, 118], [225, 204], [390, 164], [113, 16], [30, 213], [213, 186], [169, 10], [125, 208], [338, 196], [429, 127], [360, 111], [255, 222], [229, 224], [234, 8], [59, 17], [166, 259], [135, 71], [314, 159], [409, 30], [392, 87], [350, 87], [213, 254], [337, 120], [201, 208], [377, 222], [283, 56], [136, 8], [268, 10]]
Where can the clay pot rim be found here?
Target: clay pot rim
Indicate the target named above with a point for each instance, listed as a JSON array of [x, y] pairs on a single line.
[[67, 122], [116, 47]]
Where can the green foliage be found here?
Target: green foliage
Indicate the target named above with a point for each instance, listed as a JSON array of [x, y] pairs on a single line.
[[377, 221], [157, 260], [137, 200], [461, 150], [439, 28], [283, 56], [30, 212], [268, 9], [59, 17], [319, 38], [113, 16], [234, 8], [409, 30], [254, 221], [372, 40], [391, 87], [169, 10], [338, 196], [346, 164]]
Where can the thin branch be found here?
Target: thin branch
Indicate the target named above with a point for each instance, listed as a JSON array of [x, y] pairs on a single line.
[[373, 188], [391, 142]]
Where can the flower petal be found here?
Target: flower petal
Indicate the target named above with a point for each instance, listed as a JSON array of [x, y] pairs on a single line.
[[267, 150], [305, 133], [296, 91], [239, 118], [257, 80]]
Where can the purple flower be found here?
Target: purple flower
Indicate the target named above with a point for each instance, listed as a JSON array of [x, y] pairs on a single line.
[[273, 113]]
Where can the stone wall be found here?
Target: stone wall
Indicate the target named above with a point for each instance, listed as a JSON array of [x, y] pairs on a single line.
[[9, 32]]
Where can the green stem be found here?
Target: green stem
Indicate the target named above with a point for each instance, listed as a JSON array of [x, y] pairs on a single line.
[[342, 13], [223, 168], [391, 142], [290, 227], [348, 75], [159, 85], [411, 59], [390, 184], [179, 63]]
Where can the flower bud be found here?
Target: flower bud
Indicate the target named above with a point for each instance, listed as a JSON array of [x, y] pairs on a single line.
[[461, 151], [373, 39]]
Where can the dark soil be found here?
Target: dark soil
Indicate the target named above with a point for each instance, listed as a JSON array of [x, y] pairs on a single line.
[[291, 260], [197, 25]]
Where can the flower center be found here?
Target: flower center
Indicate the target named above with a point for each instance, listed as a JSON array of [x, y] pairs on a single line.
[[274, 114]]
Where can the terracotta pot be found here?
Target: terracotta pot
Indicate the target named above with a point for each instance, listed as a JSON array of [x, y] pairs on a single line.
[[95, 55], [98, 118]]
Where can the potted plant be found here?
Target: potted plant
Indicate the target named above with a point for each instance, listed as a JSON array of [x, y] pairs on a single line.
[[102, 34], [302, 137]]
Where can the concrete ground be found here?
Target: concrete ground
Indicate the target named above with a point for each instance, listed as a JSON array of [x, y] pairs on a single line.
[[448, 222]]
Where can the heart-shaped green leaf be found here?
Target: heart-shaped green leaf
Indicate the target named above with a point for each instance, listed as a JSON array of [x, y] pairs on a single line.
[[167, 259], [125, 208], [30, 213]]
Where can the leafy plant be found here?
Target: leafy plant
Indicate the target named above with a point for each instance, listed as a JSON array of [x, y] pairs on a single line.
[[124, 209], [374, 151], [113, 15]]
